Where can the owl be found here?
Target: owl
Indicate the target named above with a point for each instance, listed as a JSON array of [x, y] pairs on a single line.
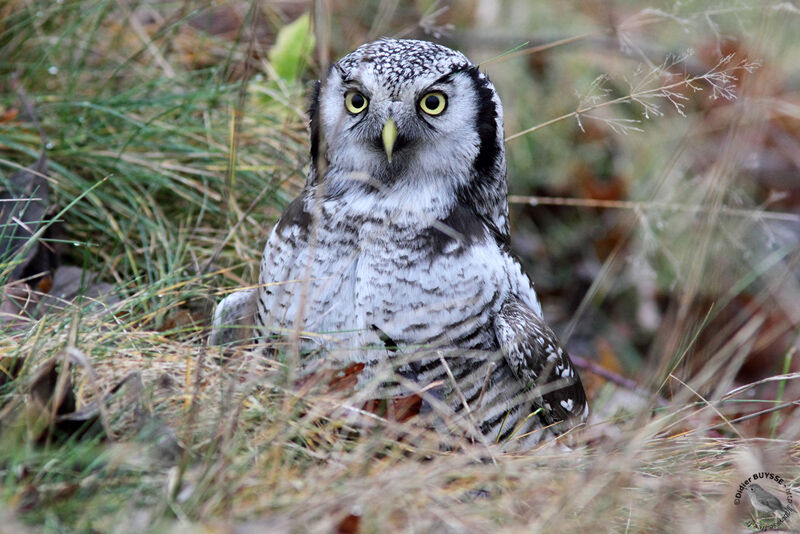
[[396, 254]]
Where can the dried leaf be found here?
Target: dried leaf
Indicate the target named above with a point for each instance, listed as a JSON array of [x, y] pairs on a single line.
[[51, 410], [349, 525], [53, 415], [8, 115], [70, 282], [25, 201], [26, 257]]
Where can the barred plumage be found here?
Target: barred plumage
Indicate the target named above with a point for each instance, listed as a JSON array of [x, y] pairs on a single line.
[[396, 254]]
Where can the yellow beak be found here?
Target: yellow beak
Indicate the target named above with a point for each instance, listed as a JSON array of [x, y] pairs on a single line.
[[389, 135]]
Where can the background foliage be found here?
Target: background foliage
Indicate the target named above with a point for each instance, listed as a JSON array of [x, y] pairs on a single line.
[[655, 203]]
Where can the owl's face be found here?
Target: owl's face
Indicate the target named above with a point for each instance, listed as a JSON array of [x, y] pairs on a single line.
[[399, 113]]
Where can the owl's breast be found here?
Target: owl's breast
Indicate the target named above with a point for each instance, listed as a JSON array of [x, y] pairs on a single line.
[[308, 280], [362, 278], [429, 283]]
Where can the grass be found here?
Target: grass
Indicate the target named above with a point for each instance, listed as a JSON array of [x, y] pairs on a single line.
[[665, 255]]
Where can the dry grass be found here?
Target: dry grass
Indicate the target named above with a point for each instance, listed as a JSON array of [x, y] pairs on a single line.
[[685, 278]]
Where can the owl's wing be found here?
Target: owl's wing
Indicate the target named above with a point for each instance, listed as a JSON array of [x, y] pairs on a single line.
[[536, 358], [233, 318], [285, 262], [237, 314]]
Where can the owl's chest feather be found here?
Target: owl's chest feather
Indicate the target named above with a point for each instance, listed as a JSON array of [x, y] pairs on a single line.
[[414, 282]]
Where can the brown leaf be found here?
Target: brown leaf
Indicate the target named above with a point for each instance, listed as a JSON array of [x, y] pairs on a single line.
[[346, 379], [45, 391], [180, 318], [399, 409], [23, 214], [35, 496], [26, 199], [53, 407], [69, 282], [349, 525], [51, 410], [8, 115], [53, 415]]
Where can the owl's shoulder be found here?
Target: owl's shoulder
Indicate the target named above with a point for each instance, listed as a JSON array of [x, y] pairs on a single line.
[[459, 229], [294, 216], [288, 239]]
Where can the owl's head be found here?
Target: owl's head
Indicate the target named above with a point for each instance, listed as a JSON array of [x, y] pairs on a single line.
[[396, 113]]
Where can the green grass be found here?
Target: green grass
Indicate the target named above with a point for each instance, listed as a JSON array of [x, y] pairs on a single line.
[[660, 253]]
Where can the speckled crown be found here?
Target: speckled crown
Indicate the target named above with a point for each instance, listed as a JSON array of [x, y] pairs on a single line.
[[400, 61]]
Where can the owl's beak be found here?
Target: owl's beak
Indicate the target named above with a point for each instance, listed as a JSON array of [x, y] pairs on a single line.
[[389, 135]]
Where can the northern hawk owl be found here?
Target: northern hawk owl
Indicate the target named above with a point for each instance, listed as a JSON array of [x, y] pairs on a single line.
[[396, 253]]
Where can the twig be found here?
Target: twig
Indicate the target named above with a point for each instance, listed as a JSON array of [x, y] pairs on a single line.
[[756, 414], [708, 403], [740, 389], [644, 205], [546, 46], [728, 422], [718, 78], [614, 378]]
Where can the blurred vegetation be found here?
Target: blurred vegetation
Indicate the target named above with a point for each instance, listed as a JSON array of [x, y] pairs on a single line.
[[659, 217]]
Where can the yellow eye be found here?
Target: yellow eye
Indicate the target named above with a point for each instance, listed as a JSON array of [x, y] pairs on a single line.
[[355, 102], [433, 103]]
